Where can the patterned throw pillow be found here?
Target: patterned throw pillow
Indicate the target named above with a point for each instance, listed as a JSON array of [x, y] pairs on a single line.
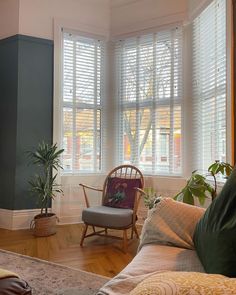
[[185, 283], [121, 192]]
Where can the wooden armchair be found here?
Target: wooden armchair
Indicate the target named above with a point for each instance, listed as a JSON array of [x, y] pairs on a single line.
[[120, 200]]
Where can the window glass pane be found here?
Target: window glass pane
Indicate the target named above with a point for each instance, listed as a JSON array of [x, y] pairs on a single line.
[[67, 138], [82, 91], [209, 85], [150, 94]]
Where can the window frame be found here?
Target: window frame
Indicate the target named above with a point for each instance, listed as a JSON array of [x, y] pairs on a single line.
[[229, 79], [87, 32], [178, 101]]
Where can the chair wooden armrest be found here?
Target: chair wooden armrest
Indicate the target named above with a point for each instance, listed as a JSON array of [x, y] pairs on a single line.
[[137, 199], [90, 187], [142, 192], [84, 186]]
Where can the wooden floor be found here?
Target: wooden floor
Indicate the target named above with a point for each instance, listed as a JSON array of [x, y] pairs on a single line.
[[99, 255]]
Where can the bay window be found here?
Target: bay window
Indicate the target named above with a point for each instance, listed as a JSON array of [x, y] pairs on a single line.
[[148, 98]]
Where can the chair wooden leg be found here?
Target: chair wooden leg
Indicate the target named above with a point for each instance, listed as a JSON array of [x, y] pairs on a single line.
[[132, 232], [106, 231], [125, 240], [94, 229], [136, 232], [83, 234]]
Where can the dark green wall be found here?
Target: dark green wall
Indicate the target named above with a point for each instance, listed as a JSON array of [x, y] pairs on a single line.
[[8, 117], [32, 119]]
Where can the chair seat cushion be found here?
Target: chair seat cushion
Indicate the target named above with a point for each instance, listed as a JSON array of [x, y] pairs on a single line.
[[107, 217]]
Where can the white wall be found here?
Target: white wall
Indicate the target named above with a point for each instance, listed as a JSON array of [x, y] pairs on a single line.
[[9, 18], [37, 16], [194, 7], [135, 15]]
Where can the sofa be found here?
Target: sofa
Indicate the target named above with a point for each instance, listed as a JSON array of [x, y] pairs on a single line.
[[166, 245]]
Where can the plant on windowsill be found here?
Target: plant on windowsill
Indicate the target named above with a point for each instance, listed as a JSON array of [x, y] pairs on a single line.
[[150, 197], [198, 186], [44, 186]]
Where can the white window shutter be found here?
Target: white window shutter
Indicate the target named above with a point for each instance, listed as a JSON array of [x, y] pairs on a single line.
[[83, 75], [149, 94], [209, 85]]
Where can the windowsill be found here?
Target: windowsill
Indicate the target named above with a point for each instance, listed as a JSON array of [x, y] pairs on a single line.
[[67, 174], [174, 176], [219, 182], [164, 175]]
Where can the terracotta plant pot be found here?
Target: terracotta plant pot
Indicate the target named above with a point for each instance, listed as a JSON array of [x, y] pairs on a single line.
[[44, 224]]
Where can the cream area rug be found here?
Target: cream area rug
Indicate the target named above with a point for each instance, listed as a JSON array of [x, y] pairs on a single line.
[[47, 278]]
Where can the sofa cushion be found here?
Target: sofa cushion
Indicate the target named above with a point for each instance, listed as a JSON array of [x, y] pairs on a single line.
[[184, 283], [171, 223], [215, 234], [151, 259], [121, 193]]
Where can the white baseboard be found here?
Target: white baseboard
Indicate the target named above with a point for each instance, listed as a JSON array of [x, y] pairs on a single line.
[[69, 219], [21, 219], [6, 218], [17, 219]]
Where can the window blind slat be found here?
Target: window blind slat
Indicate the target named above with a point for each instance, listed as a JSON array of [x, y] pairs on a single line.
[[82, 94], [149, 89], [209, 85]]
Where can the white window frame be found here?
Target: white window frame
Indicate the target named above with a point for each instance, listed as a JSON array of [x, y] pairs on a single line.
[[181, 101], [229, 78], [86, 31]]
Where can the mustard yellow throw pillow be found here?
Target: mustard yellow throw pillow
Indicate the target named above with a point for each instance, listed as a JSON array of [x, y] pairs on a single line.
[[186, 283], [7, 274]]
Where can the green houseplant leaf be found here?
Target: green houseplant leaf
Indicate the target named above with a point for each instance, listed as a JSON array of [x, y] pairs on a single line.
[[44, 186], [219, 167], [150, 197], [198, 187]]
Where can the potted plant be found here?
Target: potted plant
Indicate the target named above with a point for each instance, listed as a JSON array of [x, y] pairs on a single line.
[[219, 167], [198, 186], [44, 186], [150, 197]]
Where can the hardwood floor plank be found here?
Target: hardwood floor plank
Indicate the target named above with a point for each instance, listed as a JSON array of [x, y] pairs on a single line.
[[99, 255]]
